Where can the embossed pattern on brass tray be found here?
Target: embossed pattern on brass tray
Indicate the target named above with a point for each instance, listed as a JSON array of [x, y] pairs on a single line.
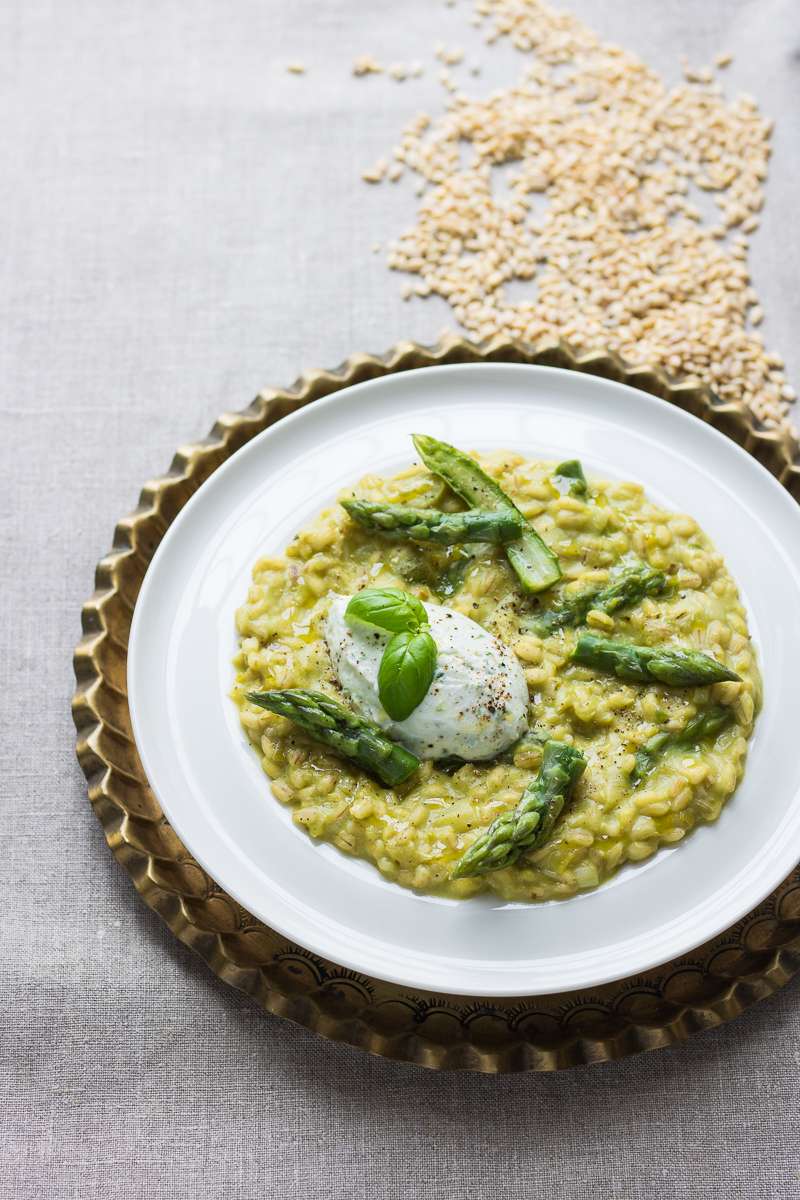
[[714, 983]]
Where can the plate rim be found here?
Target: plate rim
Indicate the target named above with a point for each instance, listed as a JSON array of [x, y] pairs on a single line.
[[624, 1019], [370, 955]]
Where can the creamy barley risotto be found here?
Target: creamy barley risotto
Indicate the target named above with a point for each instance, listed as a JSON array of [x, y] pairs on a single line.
[[492, 673]]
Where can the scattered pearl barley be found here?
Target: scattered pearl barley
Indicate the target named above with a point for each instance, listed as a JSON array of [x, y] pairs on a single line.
[[595, 215]]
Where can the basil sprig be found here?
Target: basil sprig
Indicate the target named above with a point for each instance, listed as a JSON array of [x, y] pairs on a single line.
[[409, 659]]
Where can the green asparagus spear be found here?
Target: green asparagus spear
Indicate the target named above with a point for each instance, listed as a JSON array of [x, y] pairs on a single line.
[[532, 821], [629, 586], [648, 664], [430, 525], [535, 564], [573, 472], [701, 727], [329, 722]]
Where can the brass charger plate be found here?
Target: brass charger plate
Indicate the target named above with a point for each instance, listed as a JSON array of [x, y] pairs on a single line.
[[714, 983]]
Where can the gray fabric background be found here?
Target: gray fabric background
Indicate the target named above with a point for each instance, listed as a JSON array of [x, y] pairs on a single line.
[[182, 223]]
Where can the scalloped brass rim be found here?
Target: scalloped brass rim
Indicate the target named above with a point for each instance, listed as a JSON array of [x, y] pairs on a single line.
[[712, 985]]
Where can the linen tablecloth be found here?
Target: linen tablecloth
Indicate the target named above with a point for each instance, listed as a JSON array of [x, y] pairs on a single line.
[[183, 222]]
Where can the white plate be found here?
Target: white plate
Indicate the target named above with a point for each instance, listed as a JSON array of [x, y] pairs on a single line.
[[211, 787]]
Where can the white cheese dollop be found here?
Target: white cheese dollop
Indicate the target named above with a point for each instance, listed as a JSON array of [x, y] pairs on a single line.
[[477, 704]]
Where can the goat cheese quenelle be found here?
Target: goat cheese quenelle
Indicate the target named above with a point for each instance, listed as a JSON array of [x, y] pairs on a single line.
[[491, 673], [476, 705]]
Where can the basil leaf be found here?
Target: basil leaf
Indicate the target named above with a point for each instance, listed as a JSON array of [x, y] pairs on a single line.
[[386, 608], [406, 671]]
